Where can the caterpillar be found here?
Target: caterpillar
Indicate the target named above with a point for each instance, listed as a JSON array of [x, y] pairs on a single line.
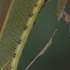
[[15, 31]]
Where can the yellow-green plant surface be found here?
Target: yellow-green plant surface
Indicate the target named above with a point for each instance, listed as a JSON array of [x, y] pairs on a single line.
[[60, 8], [17, 26]]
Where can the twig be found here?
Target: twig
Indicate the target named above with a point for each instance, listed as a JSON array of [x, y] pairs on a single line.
[[42, 51]]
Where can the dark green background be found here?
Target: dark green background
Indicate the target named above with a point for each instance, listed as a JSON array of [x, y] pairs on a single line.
[[57, 56]]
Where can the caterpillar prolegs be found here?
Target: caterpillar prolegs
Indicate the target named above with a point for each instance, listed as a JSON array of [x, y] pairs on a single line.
[[15, 31]]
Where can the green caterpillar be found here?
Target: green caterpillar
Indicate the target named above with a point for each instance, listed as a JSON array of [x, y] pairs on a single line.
[[15, 31]]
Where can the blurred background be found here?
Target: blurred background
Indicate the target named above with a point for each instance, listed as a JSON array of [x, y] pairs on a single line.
[[57, 56]]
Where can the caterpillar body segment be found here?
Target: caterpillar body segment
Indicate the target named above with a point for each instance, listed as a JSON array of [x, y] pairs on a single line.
[[15, 31]]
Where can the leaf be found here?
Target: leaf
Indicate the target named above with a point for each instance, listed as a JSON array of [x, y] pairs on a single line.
[[60, 8], [15, 31]]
